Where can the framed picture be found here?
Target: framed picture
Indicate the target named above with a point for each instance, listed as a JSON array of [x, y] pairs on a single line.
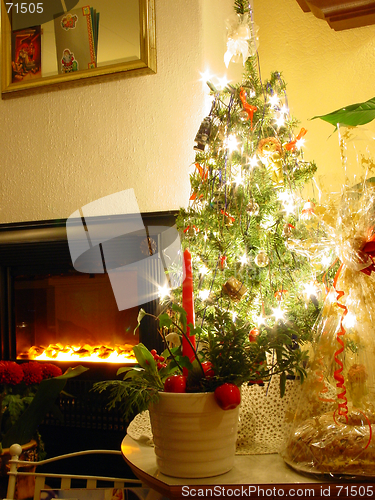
[[26, 54]]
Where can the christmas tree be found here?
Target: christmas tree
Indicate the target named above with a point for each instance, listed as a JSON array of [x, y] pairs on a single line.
[[243, 217]]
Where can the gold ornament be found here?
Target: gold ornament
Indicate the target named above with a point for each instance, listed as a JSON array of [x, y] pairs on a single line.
[[270, 153], [252, 208], [243, 115], [262, 260], [234, 288]]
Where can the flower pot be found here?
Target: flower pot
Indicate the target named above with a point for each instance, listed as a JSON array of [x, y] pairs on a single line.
[[193, 436]]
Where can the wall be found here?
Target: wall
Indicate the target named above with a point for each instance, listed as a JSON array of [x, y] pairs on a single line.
[[324, 69], [63, 149]]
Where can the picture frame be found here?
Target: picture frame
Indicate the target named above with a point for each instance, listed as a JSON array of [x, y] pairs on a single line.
[[143, 62]]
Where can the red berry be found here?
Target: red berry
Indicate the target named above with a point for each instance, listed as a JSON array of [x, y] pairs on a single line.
[[208, 370], [153, 352], [175, 383], [161, 358], [159, 365], [227, 396]]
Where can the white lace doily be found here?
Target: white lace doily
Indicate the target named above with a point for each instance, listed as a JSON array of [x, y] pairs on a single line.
[[140, 428], [264, 420]]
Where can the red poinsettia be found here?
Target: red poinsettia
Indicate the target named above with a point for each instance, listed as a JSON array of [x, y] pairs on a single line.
[[10, 373], [32, 373], [49, 370]]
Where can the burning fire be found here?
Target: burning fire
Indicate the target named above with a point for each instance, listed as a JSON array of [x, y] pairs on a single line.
[[98, 354]]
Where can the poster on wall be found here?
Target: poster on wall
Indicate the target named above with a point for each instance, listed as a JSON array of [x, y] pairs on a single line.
[[26, 54]]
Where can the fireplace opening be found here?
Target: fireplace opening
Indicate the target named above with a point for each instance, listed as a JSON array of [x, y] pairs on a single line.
[[73, 317], [50, 311]]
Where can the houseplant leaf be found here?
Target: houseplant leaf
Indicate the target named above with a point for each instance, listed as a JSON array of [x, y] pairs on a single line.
[[353, 115], [48, 391]]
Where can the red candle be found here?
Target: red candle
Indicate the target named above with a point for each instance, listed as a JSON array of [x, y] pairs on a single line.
[[188, 305]]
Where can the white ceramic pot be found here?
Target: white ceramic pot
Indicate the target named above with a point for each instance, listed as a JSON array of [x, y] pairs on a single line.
[[193, 436]]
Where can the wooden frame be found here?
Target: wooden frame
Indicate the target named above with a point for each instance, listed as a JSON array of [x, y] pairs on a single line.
[[145, 65]]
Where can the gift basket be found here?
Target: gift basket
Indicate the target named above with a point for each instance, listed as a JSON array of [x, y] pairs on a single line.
[[334, 421]]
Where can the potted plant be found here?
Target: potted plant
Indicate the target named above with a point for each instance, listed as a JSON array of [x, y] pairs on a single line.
[[28, 391], [194, 400]]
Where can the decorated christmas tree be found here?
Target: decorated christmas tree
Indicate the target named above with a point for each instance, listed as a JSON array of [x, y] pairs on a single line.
[[242, 221]]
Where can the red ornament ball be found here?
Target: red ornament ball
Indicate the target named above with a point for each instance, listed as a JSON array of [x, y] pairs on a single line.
[[253, 334], [175, 383], [208, 370], [227, 396]]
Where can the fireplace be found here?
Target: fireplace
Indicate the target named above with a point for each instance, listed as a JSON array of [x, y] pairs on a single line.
[[50, 311]]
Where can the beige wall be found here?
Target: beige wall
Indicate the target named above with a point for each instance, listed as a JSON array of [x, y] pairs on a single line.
[[63, 149], [324, 69]]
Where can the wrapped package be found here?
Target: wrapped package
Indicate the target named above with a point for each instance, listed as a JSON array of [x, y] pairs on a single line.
[[334, 421]]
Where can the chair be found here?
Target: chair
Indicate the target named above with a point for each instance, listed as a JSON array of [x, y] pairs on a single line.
[[65, 480]]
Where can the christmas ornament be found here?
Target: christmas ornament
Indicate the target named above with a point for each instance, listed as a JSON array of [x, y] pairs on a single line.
[[270, 154], [227, 396], [234, 288], [253, 334], [191, 230], [203, 134], [261, 260], [248, 108], [223, 262], [243, 115], [229, 219], [202, 172], [292, 145], [218, 199], [242, 38], [308, 210], [208, 370], [148, 246], [252, 208], [175, 383], [287, 230], [279, 294]]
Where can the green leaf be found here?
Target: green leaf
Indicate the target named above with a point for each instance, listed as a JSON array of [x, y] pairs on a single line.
[[144, 357], [182, 314], [165, 320], [48, 391], [142, 313], [353, 115]]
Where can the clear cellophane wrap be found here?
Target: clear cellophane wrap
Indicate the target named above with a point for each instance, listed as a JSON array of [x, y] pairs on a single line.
[[334, 422]]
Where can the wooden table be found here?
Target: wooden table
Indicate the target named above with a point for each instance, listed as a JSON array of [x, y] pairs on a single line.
[[253, 476]]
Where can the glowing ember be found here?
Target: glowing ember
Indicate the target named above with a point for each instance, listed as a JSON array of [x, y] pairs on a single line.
[[87, 353]]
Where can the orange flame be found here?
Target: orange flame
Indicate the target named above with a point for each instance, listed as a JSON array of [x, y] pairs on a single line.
[[87, 353]]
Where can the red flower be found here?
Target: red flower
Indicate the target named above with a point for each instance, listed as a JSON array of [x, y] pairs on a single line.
[[10, 373], [32, 373], [49, 370]]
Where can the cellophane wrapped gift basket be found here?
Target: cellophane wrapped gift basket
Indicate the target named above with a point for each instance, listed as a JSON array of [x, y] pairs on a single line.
[[333, 426]]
